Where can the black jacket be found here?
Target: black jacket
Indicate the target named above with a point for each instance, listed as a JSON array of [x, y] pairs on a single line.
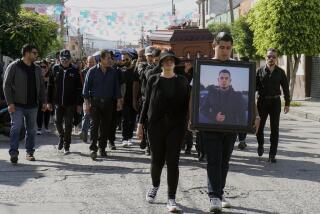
[[156, 106], [64, 86]]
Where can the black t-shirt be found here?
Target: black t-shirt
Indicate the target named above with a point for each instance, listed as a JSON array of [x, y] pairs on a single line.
[[31, 86], [129, 77]]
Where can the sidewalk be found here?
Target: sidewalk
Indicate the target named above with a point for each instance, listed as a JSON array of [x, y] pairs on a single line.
[[309, 109]]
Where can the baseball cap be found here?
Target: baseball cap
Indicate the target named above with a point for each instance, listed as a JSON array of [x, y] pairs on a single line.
[[65, 54], [149, 51]]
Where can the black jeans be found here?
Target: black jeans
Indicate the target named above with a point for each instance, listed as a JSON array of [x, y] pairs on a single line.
[[129, 116], [218, 147], [165, 139], [101, 122], [188, 139], [65, 114], [242, 136], [113, 129], [43, 117], [270, 107]]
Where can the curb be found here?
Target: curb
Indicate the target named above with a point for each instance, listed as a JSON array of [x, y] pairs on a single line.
[[305, 115]]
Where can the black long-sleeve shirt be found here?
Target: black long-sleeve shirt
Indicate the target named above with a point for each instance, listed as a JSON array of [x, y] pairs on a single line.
[[160, 102], [268, 83]]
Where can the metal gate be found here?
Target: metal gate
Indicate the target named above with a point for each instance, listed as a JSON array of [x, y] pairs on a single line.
[[315, 77]]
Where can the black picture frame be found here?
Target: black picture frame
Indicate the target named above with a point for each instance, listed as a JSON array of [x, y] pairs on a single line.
[[217, 107]]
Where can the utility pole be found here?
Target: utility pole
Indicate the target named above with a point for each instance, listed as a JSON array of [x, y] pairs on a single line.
[[203, 15], [173, 8], [231, 10]]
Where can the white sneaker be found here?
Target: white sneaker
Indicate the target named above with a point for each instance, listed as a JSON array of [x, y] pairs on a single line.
[[151, 194], [124, 143], [130, 142], [225, 203], [39, 132], [172, 206], [215, 205], [47, 130]]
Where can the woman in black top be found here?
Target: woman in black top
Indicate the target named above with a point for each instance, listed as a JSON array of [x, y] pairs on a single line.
[[165, 110]]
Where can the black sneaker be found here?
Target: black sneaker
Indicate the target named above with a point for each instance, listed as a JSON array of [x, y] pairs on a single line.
[[102, 153], [112, 146], [147, 151], [151, 194], [66, 151], [242, 145], [93, 155], [260, 150], [143, 144], [14, 159], [60, 144], [188, 150], [272, 159], [84, 137]]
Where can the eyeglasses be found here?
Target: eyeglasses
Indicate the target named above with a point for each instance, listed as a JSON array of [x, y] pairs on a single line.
[[43, 66], [271, 57]]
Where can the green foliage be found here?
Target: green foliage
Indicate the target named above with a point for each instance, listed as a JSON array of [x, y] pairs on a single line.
[[291, 26], [243, 39], [33, 28], [215, 28]]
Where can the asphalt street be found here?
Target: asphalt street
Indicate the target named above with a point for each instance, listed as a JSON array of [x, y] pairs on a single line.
[[67, 184]]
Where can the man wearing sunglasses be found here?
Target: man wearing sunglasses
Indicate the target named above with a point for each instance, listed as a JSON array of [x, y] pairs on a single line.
[[269, 79], [24, 89], [64, 91], [129, 111]]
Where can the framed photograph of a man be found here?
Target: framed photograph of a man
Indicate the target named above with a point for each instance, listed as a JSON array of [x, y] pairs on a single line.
[[223, 96]]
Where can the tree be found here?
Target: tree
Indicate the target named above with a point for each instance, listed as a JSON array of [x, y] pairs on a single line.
[[243, 39], [9, 10], [33, 28], [291, 26], [215, 28]]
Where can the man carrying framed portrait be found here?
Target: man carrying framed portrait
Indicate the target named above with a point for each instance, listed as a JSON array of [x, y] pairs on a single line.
[[219, 112]]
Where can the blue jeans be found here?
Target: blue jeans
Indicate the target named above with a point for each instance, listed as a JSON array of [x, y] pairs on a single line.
[[85, 123], [17, 119]]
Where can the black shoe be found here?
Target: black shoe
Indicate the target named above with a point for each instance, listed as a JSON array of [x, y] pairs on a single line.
[[260, 150], [242, 145], [187, 151], [143, 144], [202, 157], [14, 159], [147, 152], [93, 155], [84, 137], [66, 151], [112, 146], [60, 144], [102, 153], [272, 159]]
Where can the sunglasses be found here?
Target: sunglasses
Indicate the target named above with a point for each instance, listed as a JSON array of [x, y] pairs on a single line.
[[43, 66], [271, 57]]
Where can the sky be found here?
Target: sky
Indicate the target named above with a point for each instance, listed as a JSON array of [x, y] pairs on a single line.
[[122, 19]]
